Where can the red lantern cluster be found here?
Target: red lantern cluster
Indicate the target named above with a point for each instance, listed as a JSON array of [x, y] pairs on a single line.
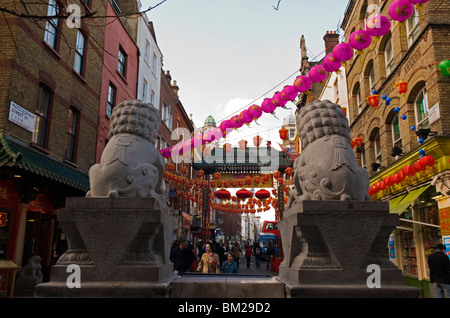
[[406, 172]]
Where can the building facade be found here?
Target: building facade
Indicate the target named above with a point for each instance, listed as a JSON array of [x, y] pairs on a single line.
[[50, 83], [397, 134]]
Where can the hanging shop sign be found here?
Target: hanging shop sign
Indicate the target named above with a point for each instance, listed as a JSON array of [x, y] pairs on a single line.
[[20, 116], [444, 221]]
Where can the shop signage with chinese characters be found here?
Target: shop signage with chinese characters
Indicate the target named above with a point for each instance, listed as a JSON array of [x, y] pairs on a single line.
[[3, 219], [444, 220]]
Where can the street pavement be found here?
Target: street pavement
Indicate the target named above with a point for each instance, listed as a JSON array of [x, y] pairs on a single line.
[[252, 270]]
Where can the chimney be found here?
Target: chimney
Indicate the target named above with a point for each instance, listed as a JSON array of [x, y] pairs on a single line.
[[175, 87], [331, 40]]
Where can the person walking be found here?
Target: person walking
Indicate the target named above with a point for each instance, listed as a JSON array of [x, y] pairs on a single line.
[[236, 252], [248, 254], [439, 264], [209, 263], [182, 257], [270, 254], [229, 266], [257, 253]]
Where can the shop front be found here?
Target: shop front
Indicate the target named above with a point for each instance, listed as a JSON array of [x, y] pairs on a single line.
[[421, 198]]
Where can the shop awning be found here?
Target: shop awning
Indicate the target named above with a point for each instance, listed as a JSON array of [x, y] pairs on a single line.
[[408, 199], [15, 154], [393, 203]]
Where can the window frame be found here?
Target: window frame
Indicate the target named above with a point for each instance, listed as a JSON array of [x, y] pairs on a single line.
[[110, 103], [42, 117], [54, 9], [81, 55], [412, 32], [122, 62], [422, 122], [72, 134], [389, 61]]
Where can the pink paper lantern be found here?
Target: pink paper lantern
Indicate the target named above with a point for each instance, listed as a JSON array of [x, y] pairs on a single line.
[[289, 93], [302, 83], [247, 117], [277, 100], [237, 121], [330, 64], [401, 10], [318, 73], [360, 40], [255, 111], [378, 26], [342, 52], [267, 106], [225, 127]]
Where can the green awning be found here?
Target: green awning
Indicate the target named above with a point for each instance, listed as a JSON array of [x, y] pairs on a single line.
[[393, 203], [16, 154], [408, 199]]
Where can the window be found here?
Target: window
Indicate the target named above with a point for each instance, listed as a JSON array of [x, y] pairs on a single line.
[[147, 52], [79, 53], [357, 95], [144, 91], [166, 115], [154, 62], [377, 147], [41, 119], [371, 78], [412, 27], [421, 109], [363, 157], [152, 97], [389, 56], [396, 137], [72, 128], [51, 27], [122, 62], [111, 99]]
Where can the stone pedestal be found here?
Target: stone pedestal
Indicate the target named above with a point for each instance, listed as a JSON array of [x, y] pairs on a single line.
[[121, 246], [328, 246]]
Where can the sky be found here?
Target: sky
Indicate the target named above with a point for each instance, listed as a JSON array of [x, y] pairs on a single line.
[[229, 54]]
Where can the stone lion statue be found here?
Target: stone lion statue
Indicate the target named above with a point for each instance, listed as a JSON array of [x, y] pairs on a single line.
[[130, 165], [327, 168]]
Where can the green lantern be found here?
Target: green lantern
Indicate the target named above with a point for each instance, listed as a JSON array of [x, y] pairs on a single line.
[[444, 66]]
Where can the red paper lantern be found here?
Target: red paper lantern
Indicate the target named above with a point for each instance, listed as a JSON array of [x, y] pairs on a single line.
[[402, 87], [242, 144], [222, 194], [358, 141], [216, 175], [170, 167], [408, 170], [283, 133], [289, 171], [427, 161], [266, 177], [200, 173], [244, 194], [374, 100], [276, 174], [257, 141], [262, 194], [227, 147], [256, 180]]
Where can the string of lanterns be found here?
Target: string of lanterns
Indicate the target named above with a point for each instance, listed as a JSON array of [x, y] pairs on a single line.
[[376, 27]]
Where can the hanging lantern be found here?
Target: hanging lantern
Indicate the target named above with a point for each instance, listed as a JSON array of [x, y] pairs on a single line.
[[256, 180], [255, 111], [216, 175], [248, 181], [331, 64], [289, 93], [401, 10], [244, 194], [302, 83], [227, 147], [257, 141], [200, 173], [226, 126], [427, 161], [342, 52], [247, 117], [283, 133], [184, 170], [266, 177], [241, 182], [374, 100], [444, 67], [267, 106], [408, 170], [262, 194], [222, 194], [360, 40], [388, 181], [377, 26], [212, 183], [226, 183], [402, 87], [352, 143], [280, 181], [242, 144], [359, 142], [318, 73], [289, 171], [234, 183], [276, 174], [278, 100], [170, 167], [237, 121]]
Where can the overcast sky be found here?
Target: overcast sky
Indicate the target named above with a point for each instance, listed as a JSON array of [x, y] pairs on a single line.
[[227, 54]]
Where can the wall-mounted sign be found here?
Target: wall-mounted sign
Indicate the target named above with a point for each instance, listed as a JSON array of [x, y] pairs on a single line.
[[3, 219], [20, 116], [434, 113]]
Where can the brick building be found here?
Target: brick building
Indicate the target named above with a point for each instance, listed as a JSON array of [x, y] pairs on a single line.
[[49, 97], [409, 52]]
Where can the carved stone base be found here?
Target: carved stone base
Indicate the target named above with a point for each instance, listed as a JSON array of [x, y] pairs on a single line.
[[120, 245], [328, 246]]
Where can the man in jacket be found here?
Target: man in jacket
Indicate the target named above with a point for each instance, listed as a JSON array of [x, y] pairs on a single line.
[[182, 257], [439, 264]]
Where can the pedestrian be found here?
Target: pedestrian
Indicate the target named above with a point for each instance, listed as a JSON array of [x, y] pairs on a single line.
[[182, 257], [257, 252], [439, 264], [248, 254], [236, 252], [270, 254], [230, 265], [209, 263], [221, 253]]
